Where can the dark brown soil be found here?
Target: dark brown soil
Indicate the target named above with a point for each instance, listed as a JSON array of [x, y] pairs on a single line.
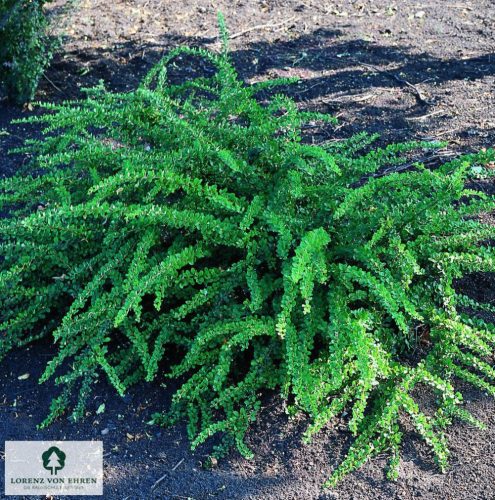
[[408, 70]]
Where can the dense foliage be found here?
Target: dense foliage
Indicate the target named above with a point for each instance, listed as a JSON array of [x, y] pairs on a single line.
[[186, 230], [25, 48]]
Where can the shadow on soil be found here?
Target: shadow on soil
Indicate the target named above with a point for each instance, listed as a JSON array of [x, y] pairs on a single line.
[[349, 78]]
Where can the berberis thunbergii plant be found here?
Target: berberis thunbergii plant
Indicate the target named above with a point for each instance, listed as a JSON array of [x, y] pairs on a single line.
[[188, 231]]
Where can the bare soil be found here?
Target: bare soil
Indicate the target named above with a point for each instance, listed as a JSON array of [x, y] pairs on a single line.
[[407, 70]]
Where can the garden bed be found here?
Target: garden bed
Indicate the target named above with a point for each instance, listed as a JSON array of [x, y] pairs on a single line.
[[416, 72]]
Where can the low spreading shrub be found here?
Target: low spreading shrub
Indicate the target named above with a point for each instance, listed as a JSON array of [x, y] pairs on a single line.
[[25, 47], [187, 231]]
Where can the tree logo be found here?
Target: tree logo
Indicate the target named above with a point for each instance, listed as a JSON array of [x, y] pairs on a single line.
[[53, 460]]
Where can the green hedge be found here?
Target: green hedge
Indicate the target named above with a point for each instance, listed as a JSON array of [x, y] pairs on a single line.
[[187, 231], [25, 48]]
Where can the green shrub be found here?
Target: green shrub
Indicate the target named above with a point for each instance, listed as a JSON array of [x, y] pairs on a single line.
[[190, 225], [25, 48]]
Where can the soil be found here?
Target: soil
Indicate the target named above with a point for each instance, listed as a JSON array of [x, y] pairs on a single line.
[[407, 70]]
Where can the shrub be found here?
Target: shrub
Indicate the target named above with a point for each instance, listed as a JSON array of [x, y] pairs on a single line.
[[189, 229], [25, 48]]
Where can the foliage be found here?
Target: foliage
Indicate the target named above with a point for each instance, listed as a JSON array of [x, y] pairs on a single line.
[[189, 228], [25, 48]]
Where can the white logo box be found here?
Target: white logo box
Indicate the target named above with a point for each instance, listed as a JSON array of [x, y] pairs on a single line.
[[54, 468]]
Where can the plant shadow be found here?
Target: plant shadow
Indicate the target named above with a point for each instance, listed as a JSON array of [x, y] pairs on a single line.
[[374, 87]]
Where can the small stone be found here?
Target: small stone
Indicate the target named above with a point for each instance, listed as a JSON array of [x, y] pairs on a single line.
[[105, 431]]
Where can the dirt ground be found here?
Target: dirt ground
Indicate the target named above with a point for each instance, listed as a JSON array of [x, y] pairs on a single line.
[[406, 69]]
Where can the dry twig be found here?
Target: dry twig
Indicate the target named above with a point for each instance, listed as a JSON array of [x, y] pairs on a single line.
[[261, 26], [417, 93]]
